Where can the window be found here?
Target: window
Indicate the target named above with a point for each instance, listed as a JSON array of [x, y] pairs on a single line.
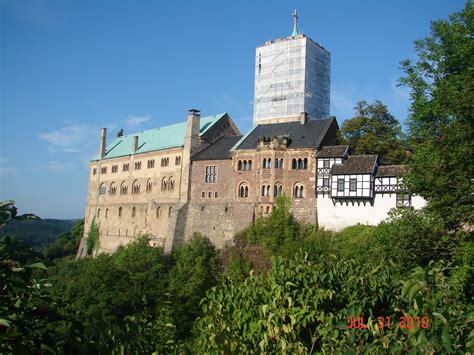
[[150, 164], [123, 188], [114, 168], [149, 185], [244, 165], [326, 163], [120, 212], [209, 194], [138, 165], [165, 161], [106, 213], [177, 161], [298, 191], [265, 190], [277, 190], [267, 163], [211, 174], [103, 170], [113, 189], [134, 212], [102, 189], [158, 212], [169, 211], [325, 182], [299, 163], [243, 191], [98, 213], [125, 167], [340, 184], [203, 194], [135, 187], [239, 165], [305, 163], [215, 194], [94, 171], [278, 163], [164, 184], [353, 185], [171, 184], [403, 199]]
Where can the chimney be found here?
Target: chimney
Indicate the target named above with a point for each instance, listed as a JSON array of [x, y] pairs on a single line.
[[103, 142], [193, 128], [303, 117], [135, 144]]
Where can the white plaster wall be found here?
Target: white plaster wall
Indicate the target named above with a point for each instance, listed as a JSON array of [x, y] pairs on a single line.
[[337, 217]]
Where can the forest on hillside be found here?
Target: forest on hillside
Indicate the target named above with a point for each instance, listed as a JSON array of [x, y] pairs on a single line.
[[405, 285]]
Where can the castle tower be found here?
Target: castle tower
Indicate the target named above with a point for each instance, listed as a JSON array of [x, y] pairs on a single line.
[[292, 75]]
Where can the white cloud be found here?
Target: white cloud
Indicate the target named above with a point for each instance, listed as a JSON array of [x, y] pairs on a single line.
[[69, 139], [8, 171], [136, 120], [56, 166]]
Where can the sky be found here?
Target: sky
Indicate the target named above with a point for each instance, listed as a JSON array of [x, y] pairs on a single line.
[[68, 68]]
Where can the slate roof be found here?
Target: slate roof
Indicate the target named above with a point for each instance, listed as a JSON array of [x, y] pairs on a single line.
[[308, 135], [391, 170], [155, 139], [220, 150], [333, 151], [356, 164]]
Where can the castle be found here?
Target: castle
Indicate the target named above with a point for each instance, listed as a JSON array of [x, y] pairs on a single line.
[[203, 176]]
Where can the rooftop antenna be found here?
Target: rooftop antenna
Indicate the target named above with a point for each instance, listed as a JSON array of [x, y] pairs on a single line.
[[295, 24]]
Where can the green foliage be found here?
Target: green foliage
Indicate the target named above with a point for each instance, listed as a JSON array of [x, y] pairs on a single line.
[[67, 243], [301, 306], [26, 312], [93, 238], [413, 237], [374, 131], [442, 106], [195, 270], [355, 242]]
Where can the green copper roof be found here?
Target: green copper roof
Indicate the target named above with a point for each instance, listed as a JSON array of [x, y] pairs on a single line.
[[155, 139]]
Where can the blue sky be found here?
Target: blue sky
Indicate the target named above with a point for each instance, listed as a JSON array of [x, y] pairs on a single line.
[[68, 68]]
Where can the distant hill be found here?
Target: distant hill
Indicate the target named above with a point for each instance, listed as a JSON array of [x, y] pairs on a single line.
[[37, 233]]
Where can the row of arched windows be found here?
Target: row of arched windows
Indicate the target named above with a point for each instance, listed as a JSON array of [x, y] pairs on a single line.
[[299, 163], [133, 212], [298, 190], [244, 165], [167, 184]]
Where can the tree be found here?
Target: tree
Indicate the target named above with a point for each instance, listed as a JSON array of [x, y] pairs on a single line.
[[442, 108], [374, 130]]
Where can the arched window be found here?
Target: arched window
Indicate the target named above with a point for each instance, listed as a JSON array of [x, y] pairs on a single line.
[[135, 187], [305, 163], [239, 165], [171, 184], [280, 190], [123, 188], [106, 212], [134, 212], [249, 165], [149, 185], [164, 184], [269, 163], [293, 164], [264, 163], [281, 163], [277, 189], [263, 190], [169, 211], [98, 213], [158, 212], [102, 189], [268, 190], [298, 190], [243, 190], [120, 212], [113, 189]]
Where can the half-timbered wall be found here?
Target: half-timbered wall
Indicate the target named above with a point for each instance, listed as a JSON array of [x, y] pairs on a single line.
[[359, 186]]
